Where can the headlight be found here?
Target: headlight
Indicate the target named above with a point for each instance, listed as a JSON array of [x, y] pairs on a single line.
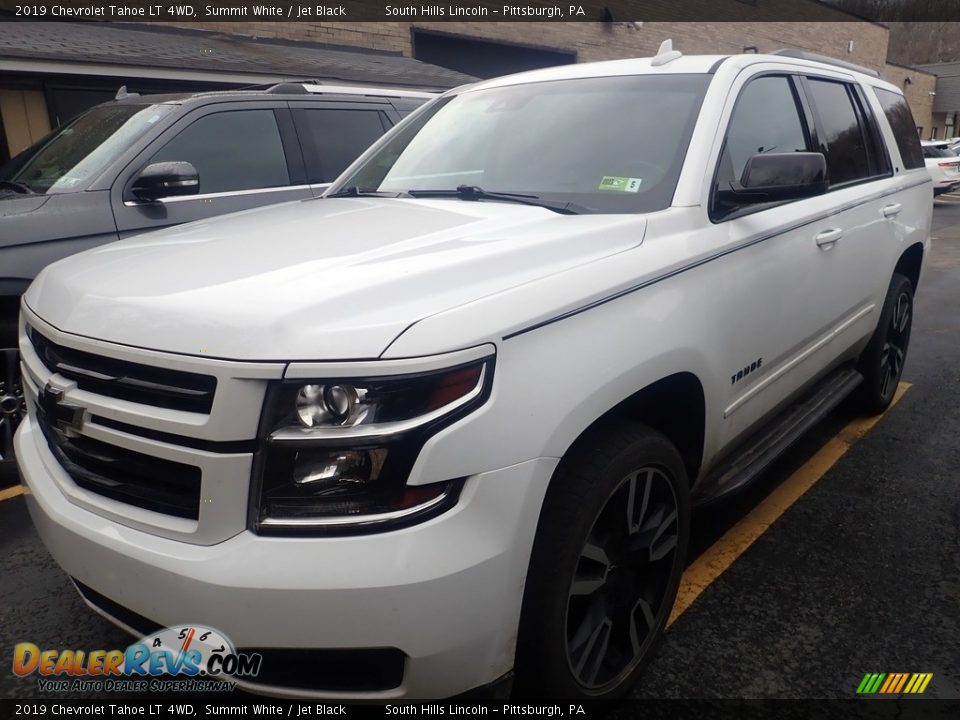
[[335, 453]]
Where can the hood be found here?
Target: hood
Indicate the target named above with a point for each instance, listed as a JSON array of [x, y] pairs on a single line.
[[322, 279]]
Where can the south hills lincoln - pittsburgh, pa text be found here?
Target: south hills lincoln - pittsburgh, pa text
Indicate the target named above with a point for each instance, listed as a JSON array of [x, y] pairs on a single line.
[[507, 11]]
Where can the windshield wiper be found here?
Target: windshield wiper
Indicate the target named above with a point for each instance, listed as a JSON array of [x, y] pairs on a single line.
[[19, 187], [472, 192], [354, 191]]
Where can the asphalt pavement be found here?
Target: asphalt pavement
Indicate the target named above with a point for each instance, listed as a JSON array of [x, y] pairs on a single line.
[[861, 574]]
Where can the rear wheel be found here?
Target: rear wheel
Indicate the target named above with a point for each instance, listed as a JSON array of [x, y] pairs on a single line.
[[883, 359], [606, 565]]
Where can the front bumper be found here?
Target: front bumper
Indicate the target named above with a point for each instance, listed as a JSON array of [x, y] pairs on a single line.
[[447, 593]]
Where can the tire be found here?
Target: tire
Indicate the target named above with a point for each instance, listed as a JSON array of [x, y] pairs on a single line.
[[881, 362], [9, 387], [587, 564]]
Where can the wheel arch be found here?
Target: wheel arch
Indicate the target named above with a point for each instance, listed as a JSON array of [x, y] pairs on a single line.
[[910, 263], [674, 406]]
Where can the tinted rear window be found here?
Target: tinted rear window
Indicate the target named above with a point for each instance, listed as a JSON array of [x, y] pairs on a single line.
[[841, 137], [904, 130], [339, 137]]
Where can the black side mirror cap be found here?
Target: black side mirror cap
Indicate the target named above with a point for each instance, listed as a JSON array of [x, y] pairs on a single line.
[[769, 177], [166, 179]]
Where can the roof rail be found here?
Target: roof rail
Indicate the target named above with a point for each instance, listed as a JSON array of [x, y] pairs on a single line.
[[289, 87], [816, 57], [316, 87]]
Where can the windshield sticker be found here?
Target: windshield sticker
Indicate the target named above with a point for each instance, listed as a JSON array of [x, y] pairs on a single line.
[[620, 184]]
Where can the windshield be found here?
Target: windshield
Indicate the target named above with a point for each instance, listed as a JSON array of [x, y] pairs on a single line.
[[612, 144], [81, 149]]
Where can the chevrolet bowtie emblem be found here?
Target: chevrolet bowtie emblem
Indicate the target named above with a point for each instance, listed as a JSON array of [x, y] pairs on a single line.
[[64, 416]]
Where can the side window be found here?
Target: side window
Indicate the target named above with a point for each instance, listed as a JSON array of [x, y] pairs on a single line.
[[907, 135], [766, 118], [840, 134], [233, 150], [338, 138]]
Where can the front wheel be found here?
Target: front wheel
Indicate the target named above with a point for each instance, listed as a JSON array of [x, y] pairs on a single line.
[[12, 409], [606, 565], [882, 361]]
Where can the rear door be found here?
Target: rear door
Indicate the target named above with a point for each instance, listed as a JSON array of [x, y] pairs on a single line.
[[246, 155], [856, 242], [334, 134]]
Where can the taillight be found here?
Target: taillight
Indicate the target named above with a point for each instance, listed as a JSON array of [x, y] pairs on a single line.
[[952, 163]]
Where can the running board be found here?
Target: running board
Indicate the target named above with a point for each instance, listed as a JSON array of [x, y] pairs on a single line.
[[773, 440]]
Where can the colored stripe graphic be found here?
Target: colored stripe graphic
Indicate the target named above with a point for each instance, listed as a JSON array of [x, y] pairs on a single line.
[[894, 683], [891, 680], [903, 680]]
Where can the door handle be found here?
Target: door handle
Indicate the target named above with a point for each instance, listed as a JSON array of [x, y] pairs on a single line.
[[827, 238], [892, 209]]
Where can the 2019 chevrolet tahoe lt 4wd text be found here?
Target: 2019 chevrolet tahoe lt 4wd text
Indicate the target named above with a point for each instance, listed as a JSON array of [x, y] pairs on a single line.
[[447, 423]]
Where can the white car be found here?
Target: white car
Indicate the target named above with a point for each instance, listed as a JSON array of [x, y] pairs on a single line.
[[944, 165], [444, 427]]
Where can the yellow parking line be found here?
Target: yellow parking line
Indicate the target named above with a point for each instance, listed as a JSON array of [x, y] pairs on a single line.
[[11, 492], [722, 554]]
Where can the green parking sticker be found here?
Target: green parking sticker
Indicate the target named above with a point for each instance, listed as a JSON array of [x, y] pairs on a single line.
[[620, 184]]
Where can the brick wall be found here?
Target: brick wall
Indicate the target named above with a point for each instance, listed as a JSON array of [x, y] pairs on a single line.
[[598, 41], [609, 41]]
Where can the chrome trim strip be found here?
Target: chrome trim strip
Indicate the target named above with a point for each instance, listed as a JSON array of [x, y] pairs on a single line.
[[710, 258], [210, 196], [376, 430], [356, 520]]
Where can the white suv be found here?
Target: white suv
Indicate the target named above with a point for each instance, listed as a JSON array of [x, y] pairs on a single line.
[[447, 423], [943, 165]]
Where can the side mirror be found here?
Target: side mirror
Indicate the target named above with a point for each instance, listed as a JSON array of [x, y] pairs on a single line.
[[768, 177], [166, 179]]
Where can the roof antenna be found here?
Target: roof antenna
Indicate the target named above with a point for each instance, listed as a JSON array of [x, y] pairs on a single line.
[[123, 94], [665, 54]]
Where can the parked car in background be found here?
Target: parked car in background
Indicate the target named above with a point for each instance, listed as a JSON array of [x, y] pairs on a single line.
[[450, 421], [142, 163], [943, 164]]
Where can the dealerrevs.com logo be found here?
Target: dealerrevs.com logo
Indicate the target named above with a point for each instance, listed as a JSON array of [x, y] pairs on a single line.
[[189, 658]]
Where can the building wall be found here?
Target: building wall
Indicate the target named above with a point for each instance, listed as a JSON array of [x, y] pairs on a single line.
[[609, 41], [598, 41]]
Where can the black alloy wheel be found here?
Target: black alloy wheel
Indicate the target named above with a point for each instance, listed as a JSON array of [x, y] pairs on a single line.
[[12, 409], [621, 580], [882, 361], [894, 350], [606, 564]]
